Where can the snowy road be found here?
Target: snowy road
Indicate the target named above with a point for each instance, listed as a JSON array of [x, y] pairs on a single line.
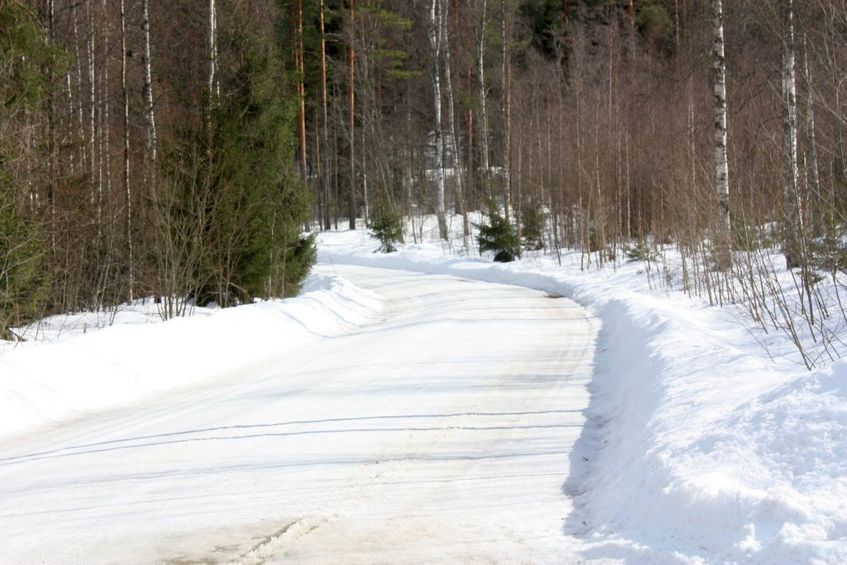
[[443, 432]]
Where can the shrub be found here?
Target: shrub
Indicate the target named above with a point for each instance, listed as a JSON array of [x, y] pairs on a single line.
[[387, 227], [532, 221], [499, 237]]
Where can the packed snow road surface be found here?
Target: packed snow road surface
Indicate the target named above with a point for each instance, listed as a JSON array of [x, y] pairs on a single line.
[[443, 432]]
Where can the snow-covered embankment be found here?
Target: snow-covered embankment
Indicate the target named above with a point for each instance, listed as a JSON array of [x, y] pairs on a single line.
[[47, 383]]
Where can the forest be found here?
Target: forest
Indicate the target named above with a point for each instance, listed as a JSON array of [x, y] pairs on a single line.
[[186, 149]]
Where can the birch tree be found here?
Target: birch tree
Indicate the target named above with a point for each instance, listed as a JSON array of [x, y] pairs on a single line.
[[721, 161], [506, 110], [451, 111], [213, 55], [351, 101], [149, 111], [811, 136], [482, 93], [793, 221], [127, 189], [434, 24]]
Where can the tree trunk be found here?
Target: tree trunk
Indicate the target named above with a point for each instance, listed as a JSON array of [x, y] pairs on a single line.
[[486, 181], [301, 92], [507, 115], [213, 55], [451, 110], [793, 221], [149, 112], [92, 101], [351, 101], [434, 33], [815, 183], [127, 189], [324, 176], [721, 161], [83, 157]]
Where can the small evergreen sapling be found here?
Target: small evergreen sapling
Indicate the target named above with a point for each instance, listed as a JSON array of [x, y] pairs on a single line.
[[499, 237], [532, 220], [387, 227]]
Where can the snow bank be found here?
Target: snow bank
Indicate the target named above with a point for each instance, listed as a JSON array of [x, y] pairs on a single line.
[[699, 448], [44, 383]]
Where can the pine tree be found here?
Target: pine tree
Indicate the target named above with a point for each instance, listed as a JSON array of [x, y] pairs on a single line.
[[499, 237]]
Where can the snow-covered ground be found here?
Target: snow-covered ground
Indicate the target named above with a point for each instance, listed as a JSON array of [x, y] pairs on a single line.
[[698, 447], [440, 431], [74, 366]]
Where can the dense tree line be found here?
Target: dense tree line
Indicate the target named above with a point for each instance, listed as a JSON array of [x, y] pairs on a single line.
[[602, 113], [174, 148], [145, 151]]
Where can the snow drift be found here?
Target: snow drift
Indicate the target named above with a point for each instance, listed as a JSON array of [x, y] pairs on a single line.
[[44, 383]]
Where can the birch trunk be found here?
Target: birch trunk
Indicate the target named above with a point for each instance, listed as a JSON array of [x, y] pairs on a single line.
[[793, 222], [451, 110], [434, 33], [92, 99], [107, 106], [483, 114], [351, 101], [149, 111], [810, 124], [213, 54], [721, 161], [127, 189], [507, 115], [83, 138]]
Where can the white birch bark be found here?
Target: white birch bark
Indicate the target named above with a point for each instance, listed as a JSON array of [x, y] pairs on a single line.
[[83, 138], [507, 114], [810, 123], [483, 114], [792, 206], [721, 160], [92, 106], [213, 53], [149, 111], [451, 110], [127, 189], [434, 33], [106, 105]]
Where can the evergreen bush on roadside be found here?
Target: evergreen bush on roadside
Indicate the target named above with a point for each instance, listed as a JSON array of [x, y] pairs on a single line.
[[500, 238]]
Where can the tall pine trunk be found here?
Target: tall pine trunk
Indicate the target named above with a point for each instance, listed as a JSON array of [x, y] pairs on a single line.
[[324, 168]]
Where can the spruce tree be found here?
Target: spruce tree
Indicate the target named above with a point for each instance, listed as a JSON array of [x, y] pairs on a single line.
[[26, 61], [245, 189], [499, 237]]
